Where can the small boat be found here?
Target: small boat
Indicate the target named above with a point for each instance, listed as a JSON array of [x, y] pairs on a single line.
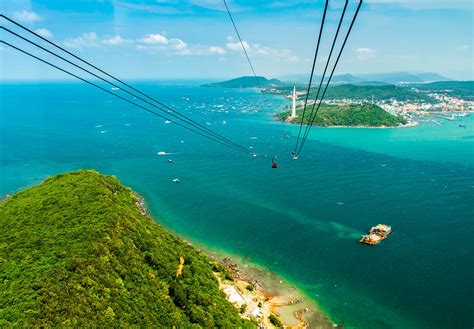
[[371, 239], [176, 180], [170, 161], [376, 234], [381, 230], [167, 121], [462, 126], [162, 153]]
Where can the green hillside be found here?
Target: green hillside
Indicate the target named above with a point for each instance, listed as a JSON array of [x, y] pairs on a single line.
[[377, 92], [246, 82], [460, 89], [365, 115], [362, 92], [76, 251]]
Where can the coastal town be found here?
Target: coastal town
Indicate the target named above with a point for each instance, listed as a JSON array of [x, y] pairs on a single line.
[[447, 108], [433, 107]]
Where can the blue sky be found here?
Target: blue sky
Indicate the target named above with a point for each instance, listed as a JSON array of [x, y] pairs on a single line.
[[162, 39]]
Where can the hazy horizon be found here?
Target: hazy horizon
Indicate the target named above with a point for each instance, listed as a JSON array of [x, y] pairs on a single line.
[[195, 39]]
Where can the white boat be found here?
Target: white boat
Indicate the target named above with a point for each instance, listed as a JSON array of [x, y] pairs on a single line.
[[162, 153], [167, 121], [176, 180]]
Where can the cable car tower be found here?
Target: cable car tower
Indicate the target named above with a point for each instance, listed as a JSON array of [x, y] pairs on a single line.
[[293, 109]]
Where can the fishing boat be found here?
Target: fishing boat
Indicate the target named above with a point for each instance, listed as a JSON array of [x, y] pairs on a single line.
[[371, 239], [376, 234], [381, 230]]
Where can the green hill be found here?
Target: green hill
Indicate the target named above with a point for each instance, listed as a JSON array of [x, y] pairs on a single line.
[[460, 89], [76, 251], [246, 82], [353, 115], [361, 92], [379, 92]]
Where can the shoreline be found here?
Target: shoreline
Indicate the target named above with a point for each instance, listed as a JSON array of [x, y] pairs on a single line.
[[276, 295], [406, 125], [263, 292]]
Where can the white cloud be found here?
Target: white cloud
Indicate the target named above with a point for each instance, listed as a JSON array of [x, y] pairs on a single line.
[[150, 42], [426, 4], [365, 53], [236, 46], [153, 39], [44, 33], [259, 50], [159, 42], [115, 41], [217, 50], [27, 16], [86, 40], [178, 44]]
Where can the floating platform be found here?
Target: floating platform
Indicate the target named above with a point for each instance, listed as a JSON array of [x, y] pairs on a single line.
[[376, 234]]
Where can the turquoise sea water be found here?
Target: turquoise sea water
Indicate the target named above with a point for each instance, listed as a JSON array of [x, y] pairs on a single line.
[[302, 220]]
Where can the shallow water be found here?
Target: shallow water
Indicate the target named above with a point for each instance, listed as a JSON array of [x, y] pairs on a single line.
[[302, 220]]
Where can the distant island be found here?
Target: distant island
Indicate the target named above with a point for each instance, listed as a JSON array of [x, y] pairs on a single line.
[[78, 250], [351, 115], [301, 80], [247, 82]]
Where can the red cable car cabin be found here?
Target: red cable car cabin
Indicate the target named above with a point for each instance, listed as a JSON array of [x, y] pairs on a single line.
[[274, 164]]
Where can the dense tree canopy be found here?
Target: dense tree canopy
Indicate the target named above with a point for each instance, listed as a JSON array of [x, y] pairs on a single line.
[[76, 251], [367, 115]]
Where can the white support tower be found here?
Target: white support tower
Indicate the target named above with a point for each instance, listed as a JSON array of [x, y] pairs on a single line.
[[293, 109]]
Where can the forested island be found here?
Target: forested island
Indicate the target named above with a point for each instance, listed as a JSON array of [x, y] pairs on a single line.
[[350, 115], [247, 82], [78, 251]]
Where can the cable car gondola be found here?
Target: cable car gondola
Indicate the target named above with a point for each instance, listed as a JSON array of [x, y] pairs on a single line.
[[274, 164]]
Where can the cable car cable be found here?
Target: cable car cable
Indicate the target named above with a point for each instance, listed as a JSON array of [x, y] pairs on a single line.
[[332, 72], [120, 97], [111, 76], [198, 126], [311, 76], [243, 47], [325, 70]]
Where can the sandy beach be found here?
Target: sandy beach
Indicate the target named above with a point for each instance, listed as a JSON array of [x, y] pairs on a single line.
[[265, 293]]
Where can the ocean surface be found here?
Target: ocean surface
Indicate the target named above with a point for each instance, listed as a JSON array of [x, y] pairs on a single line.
[[302, 220]]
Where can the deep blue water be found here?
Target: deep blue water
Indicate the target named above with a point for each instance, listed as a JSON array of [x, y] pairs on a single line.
[[302, 220]]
